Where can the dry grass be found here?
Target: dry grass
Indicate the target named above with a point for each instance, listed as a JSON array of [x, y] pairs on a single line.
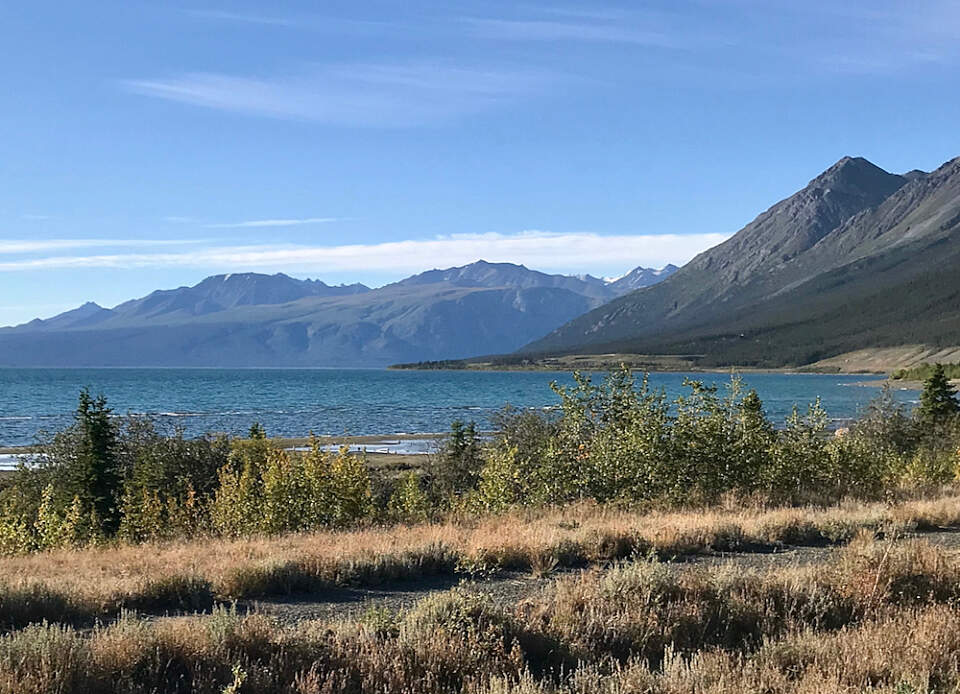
[[911, 652], [99, 581], [879, 617], [646, 610]]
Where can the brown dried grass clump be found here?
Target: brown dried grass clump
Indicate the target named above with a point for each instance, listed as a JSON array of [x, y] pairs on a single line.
[[646, 610], [907, 653]]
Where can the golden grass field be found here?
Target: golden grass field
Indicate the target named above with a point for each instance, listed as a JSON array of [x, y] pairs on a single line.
[[101, 579], [879, 612], [878, 616]]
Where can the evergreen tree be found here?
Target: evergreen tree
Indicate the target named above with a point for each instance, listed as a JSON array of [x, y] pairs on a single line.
[[456, 466], [99, 477], [751, 409], [938, 399]]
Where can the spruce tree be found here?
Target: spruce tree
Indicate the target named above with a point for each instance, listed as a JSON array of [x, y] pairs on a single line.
[[938, 399], [456, 466], [100, 478]]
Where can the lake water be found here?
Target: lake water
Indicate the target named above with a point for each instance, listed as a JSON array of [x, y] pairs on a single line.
[[295, 402]]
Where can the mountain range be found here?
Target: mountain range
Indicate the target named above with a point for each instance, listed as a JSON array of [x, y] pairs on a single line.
[[250, 319], [859, 258]]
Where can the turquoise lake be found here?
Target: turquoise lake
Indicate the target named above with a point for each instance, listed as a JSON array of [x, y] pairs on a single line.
[[294, 402]]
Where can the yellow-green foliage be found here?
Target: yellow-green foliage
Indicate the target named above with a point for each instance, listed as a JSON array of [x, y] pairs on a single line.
[[930, 467], [615, 441], [350, 487], [236, 506], [186, 515], [142, 514], [252, 453], [15, 535], [149, 514], [53, 528], [49, 524], [620, 441], [501, 481], [317, 500], [283, 492], [409, 503]]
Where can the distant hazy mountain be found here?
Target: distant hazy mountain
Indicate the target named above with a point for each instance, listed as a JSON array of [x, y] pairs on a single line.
[[222, 292], [271, 320], [484, 274], [642, 277], [858, 258], [213, 295]]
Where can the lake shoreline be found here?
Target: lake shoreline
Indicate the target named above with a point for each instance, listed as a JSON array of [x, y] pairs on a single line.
[[651, 363], [370, 441]]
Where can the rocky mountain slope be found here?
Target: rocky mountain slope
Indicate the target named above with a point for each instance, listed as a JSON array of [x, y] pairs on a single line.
[[858, 258]]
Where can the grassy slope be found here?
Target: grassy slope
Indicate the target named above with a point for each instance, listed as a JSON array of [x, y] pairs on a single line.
[[887, 359]]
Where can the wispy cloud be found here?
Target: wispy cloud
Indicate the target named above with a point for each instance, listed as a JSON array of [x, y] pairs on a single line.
[[884, 37], [880, 38], [372, 95], [594, 31], [314, 22], [241, 17], [21, 246], [568, 252], [255, 223]]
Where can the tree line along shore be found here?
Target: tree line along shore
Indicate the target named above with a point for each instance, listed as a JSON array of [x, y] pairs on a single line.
[[618, 441]]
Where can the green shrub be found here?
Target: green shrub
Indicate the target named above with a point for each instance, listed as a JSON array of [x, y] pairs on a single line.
[[278, 491], [800, 463], [15, 535], [409, 503], [502, 481], [349, 488], [236, 506]]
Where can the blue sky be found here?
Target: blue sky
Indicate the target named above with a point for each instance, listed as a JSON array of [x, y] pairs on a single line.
[[150, 144]]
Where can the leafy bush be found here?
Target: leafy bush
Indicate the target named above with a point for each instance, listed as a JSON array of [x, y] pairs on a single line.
[[619, 441], [284, 492], [409, 503]]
